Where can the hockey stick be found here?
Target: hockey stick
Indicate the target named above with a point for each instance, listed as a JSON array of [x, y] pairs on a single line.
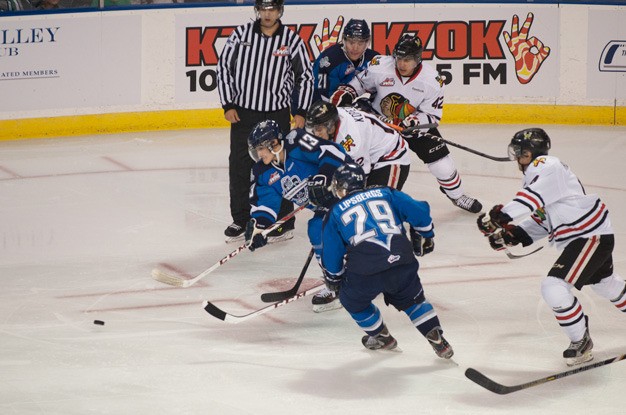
[[515, 256], [471, 150], [495, 387], [231, 318], [282, 295], [177, 281]]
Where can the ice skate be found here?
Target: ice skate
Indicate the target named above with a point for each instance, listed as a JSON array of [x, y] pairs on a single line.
[[234, 232], [580, 351], [282, 233], [382, 340], [325, 300], [465, 202], [439, 344]]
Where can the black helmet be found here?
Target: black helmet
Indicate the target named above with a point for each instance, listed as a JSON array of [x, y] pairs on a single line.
[[269, 4], [534, 140], [356, 29], [349, 177], [321, 113], [409, 45]]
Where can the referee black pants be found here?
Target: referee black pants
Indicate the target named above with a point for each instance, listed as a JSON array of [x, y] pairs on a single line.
[[240, 163]]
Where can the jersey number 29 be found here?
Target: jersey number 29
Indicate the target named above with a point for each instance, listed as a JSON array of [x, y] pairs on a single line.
[[378, 217]]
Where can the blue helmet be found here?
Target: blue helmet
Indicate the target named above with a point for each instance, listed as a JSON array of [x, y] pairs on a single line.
[[349, 177], [262, 135], [356, 29]]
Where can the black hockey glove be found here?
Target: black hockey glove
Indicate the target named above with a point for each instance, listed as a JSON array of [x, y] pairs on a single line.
[[254, 236], [333, 282], [421, 245], [343, 96], [320, 194], [490, 223], [509, 235]]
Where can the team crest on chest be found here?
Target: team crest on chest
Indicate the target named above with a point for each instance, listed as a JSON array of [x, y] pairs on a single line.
[[283, 51], [347, 143], [388, 82], [324, 62]]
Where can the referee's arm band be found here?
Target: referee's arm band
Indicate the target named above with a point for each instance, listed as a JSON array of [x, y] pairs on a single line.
[[228, 107]]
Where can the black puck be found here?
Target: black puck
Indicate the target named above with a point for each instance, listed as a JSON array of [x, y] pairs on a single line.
[[98, 322]]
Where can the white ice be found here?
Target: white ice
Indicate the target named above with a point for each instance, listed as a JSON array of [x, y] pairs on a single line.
[[84, 220]]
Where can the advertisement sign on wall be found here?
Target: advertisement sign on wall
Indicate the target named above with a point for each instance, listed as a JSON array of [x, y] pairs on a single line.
[[483, 53], [50, 63], [606, 54]]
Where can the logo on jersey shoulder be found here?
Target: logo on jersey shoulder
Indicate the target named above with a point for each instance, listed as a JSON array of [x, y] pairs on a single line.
[[388, 82], [347, 143], [539, 160], [291, 137], [441, 80], [324, 62], [393, 258], [274, 177], [375, 60], [283, 51]]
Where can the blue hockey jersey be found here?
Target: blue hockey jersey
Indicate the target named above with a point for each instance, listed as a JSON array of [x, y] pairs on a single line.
[[367, 227], [306, 156], [333, 68]]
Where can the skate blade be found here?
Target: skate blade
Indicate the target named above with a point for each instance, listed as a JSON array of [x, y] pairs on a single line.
[[574, 361], [320, 308], [284, 237], [234, 239]]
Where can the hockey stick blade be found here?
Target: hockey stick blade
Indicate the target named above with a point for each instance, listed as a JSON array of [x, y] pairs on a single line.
[[495, 387], [471, 150], [282, 295], [177, 281], [515, 256], [220, 314]]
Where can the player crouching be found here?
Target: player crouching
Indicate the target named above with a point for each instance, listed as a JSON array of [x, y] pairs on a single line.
[[366, 227]]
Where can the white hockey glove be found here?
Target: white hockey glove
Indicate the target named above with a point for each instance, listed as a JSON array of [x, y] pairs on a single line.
[[412, 120]]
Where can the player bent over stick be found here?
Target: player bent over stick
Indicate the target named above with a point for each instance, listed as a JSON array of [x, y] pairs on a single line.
[[576, 222], [281, 165], [366, 226]]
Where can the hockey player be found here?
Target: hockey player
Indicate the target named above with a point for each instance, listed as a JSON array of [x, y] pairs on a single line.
[[340, 62], [556, 206], [408, 92], [366, 226], [282, 166], [375, 146]]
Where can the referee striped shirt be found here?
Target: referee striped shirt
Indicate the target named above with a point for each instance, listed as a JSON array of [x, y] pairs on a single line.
[[258, 73]]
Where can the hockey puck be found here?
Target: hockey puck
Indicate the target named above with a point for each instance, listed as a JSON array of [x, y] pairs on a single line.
[[98, 322]]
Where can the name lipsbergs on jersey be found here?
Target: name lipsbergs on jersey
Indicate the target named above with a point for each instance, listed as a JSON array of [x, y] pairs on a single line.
[[353, 200], [448, 41]]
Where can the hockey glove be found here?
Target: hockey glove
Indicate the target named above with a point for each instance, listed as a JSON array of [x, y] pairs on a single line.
[[412, 120], [364, 104], [496, 219], [509, 235], [320, 194], [254, 236], [343, 96], [421, 245], [333, 282]]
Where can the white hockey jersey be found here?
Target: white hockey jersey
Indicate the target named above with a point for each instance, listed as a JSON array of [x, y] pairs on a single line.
[[370, 142], [559, 205], [396, 96]]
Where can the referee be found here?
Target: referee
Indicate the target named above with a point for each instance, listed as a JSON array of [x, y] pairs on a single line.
[[260, 65]]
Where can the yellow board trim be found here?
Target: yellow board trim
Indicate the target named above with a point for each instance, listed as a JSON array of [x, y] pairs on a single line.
[[214, 118]]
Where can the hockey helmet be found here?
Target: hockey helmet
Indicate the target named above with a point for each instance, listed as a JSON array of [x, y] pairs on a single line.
[[262, 135], [357, 30], [535, 140], [349, 177], [409, 46], [322, 113]]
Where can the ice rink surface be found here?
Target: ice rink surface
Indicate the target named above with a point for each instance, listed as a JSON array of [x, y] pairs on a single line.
[[84, 220]]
